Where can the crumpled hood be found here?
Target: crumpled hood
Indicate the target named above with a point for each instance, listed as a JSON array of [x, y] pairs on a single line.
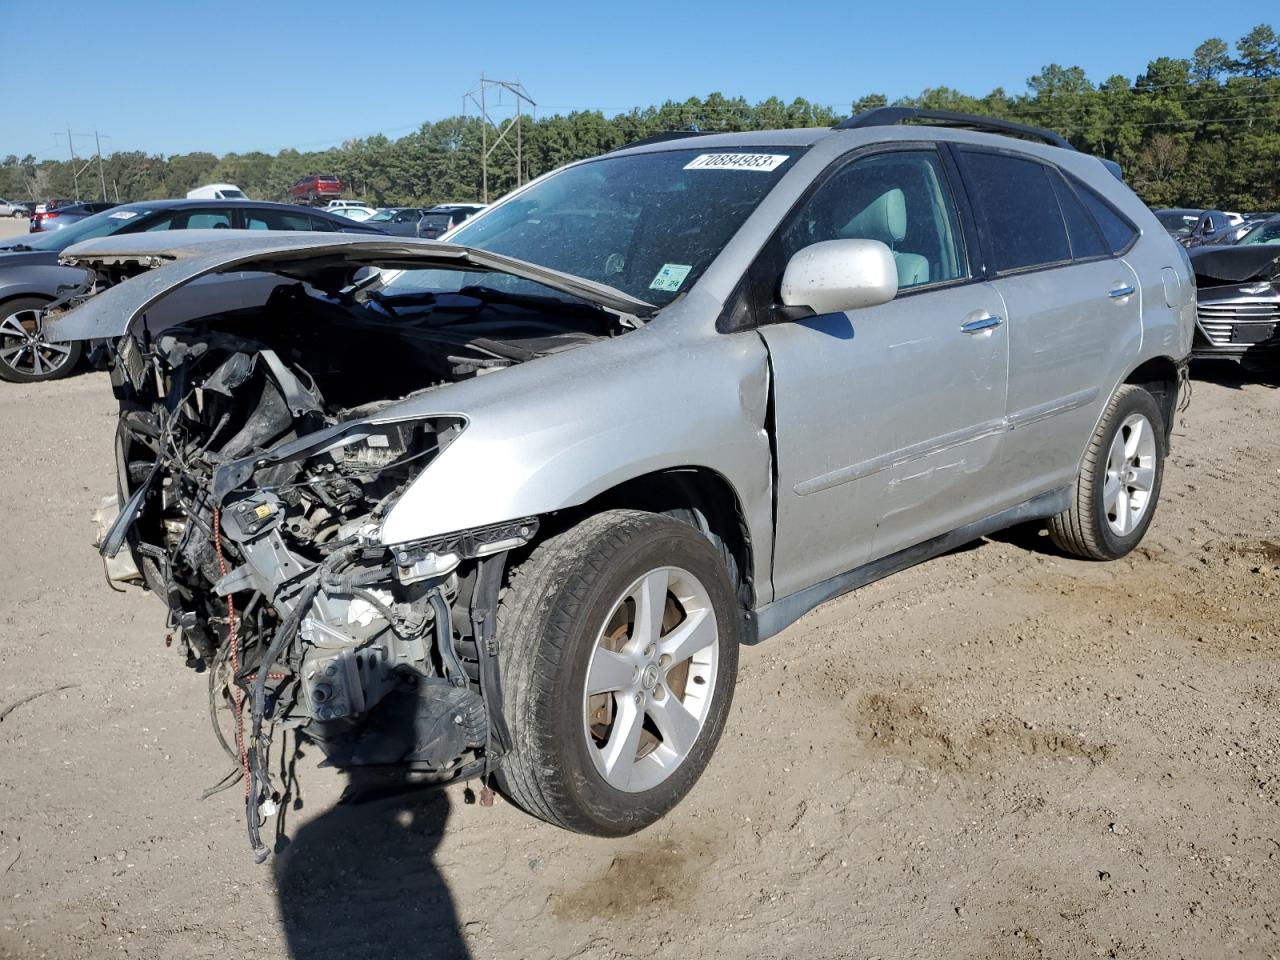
[[1236, 264], [326, 261]]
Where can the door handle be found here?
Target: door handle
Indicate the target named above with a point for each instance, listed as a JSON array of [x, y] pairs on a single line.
[[1115, 293], [988, 322]]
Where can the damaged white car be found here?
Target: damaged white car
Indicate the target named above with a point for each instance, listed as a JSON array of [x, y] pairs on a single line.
[[505, 508]]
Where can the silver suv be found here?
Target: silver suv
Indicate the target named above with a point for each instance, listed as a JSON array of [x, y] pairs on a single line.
[[506, 507]]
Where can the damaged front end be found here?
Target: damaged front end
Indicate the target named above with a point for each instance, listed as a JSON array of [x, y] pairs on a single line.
[[1238, 304], [274, 574], [259, 453]]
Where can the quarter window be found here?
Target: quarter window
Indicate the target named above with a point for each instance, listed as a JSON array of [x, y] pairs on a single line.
[[900, 199], [1086, 241], [1118, 231], [1016, 200]]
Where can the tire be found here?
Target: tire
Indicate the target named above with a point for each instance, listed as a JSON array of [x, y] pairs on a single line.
[[1117, 491], [27, 360], [570, 613]]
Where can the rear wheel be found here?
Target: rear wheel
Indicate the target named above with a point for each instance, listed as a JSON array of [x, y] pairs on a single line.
[[25, 355], [620, 651], [1118, 486]]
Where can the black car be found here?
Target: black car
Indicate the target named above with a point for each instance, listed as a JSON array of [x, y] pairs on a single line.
[[397, 221], [1238, 298], [444, 217], [1179, 221], [31, 278], [65, 215]]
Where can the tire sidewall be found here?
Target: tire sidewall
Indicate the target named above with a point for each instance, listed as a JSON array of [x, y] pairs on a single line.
[[660, 542], [1134, 401]]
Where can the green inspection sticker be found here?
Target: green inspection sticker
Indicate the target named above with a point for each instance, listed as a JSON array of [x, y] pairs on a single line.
[[670, 277]]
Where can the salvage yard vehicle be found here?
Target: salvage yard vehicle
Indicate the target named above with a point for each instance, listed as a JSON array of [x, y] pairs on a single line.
[[1238, 310], [32, 280], [506, 508]]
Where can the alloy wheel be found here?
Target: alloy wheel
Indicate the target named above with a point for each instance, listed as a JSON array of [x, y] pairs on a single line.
[[24, 349], [1131, 473], [650, 679]]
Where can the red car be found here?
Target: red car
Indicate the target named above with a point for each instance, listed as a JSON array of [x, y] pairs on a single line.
[[313, 188]]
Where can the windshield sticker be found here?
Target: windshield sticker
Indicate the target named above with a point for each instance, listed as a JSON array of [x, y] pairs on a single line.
[[122, 214], [760, 162], [670, 277]]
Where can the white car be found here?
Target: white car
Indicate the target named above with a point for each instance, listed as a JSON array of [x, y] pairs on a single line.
[[11, 208], [359, 213]]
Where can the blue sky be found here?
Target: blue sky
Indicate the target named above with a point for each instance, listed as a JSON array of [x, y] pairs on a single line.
[[172, 76]]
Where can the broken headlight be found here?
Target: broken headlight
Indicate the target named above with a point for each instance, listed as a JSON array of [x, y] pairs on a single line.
[[437, 556]]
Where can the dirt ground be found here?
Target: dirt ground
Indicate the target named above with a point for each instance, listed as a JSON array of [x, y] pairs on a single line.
[[999, 754]]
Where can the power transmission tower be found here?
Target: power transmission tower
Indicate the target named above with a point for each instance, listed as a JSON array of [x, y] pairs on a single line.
[[76, 170], [478, 95]]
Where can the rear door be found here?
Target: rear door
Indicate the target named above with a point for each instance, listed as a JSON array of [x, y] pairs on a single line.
[[888, 418], [1072, 304]]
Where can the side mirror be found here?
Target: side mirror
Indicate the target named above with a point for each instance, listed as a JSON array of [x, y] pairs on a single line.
[[837, 275]]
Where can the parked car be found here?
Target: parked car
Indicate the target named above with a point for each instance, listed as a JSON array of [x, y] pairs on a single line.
[[216, 191], [359, 214], [1214, 226], [315, 188], [510, 512], [12, 208], [65, 215], [397, 221], [31, 278], [1178, 221], [336, 205], [443, 217], [1238, 311]]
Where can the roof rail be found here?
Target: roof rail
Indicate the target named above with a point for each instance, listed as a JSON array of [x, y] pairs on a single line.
[[659, 138], [887, 116]]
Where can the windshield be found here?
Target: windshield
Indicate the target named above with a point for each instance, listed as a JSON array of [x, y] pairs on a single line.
[[232, 194], [1267, 232], [383, 215], [1177, 219], [99, 225], [648, 224]]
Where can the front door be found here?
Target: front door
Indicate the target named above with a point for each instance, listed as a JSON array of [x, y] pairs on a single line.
[[889, 418]]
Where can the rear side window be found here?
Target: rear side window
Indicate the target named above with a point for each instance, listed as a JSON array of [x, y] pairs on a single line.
[[1086, 241], [277, 220], [1118, 231], [1016, 200]]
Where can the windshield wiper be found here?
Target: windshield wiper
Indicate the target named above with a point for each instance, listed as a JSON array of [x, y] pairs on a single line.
[[17, 248]]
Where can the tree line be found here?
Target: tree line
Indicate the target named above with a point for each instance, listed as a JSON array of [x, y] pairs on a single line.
[[1200, 131]]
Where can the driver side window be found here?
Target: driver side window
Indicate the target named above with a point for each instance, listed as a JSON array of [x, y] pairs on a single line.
[[900, 199]]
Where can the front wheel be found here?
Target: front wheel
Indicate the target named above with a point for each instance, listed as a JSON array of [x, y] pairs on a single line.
[[1118, 486], [25, 355], [619, 652]]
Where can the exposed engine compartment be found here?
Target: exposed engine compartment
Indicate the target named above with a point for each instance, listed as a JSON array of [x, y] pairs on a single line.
[[258, 452]]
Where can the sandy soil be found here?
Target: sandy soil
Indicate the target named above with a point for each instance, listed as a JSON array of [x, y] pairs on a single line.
[[1000, 754]]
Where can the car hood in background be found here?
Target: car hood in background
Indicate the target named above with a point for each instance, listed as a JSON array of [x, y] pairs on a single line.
[[1236, 264], [27, 258], [323, 260]]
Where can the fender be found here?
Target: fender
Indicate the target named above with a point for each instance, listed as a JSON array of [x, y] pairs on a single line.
[[641, 404]]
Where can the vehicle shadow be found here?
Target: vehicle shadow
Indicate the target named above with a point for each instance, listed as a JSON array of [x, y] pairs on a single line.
[[1235, 376], [360, 880]]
